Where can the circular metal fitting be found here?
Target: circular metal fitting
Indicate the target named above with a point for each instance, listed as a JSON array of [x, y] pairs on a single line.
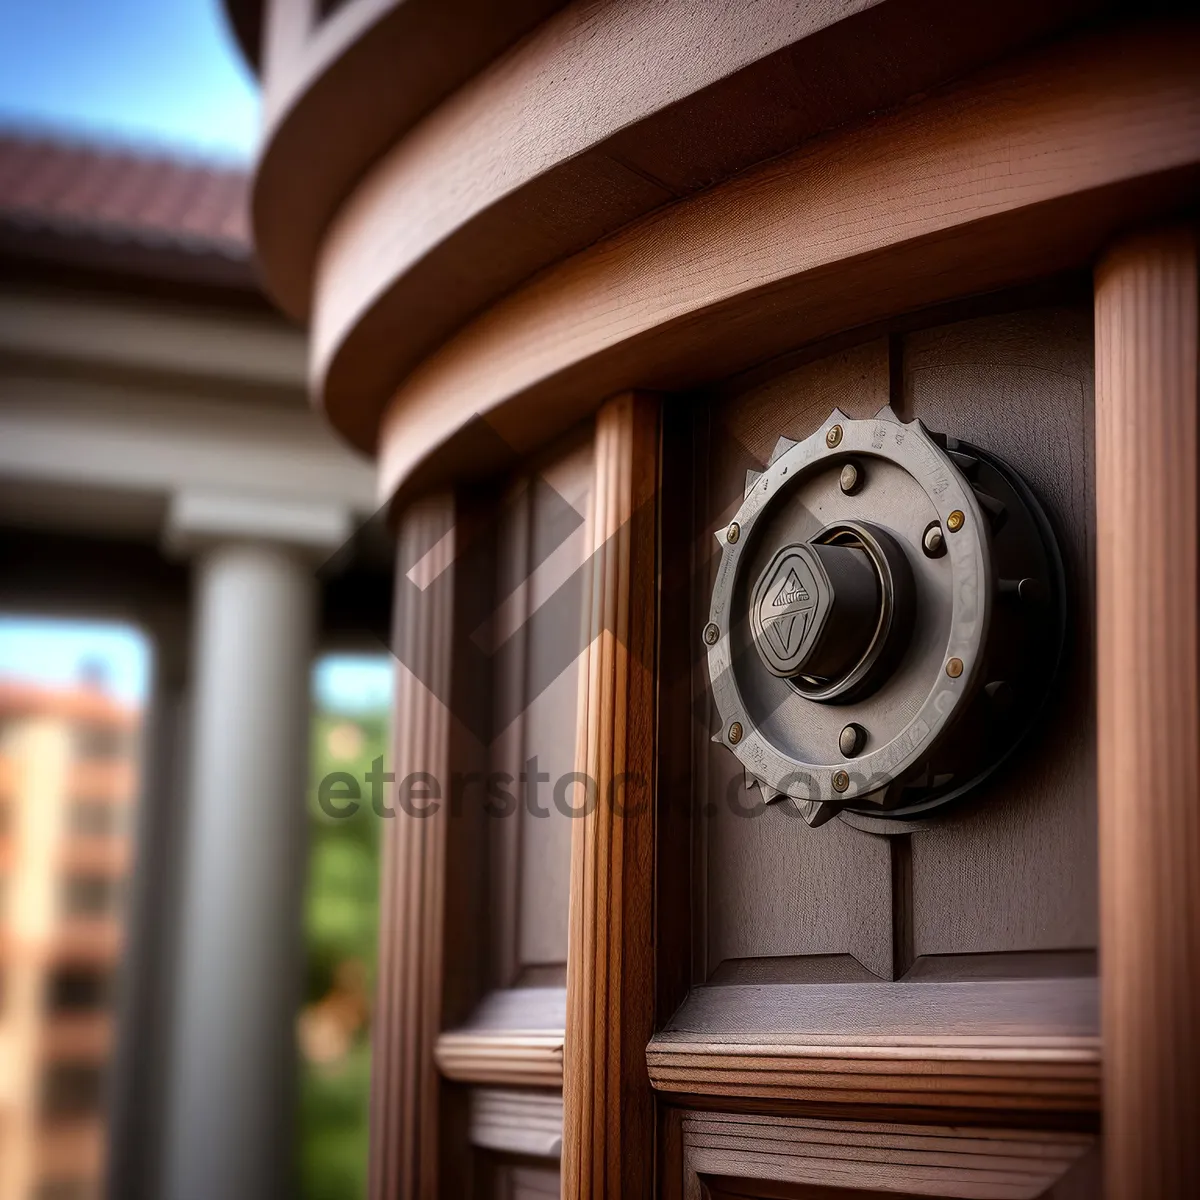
[[838, 613]]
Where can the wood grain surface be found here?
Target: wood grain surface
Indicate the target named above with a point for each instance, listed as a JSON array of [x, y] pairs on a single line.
[[725, 1154], [601, 114], [337, 92], [1011, 1045], [607, 1119], [522, 1121], [1148, 689], [497, 1056], [1003, 179], [404, 1083]]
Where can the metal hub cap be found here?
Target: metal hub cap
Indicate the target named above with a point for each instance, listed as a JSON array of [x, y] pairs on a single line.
[[888, 609]]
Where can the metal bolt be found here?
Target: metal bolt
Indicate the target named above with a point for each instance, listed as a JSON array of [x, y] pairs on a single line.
[[834, 436], [735, 733], [955, 521], [841, 781], [850, 740], [711, 633], [933, 541], [733, 532], [954, 668], [850, 478]]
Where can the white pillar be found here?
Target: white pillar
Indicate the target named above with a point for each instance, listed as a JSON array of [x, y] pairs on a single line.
[[231, 1099]]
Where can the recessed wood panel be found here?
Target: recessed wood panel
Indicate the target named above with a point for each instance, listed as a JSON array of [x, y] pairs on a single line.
[[1010, 870], [1014, 867]]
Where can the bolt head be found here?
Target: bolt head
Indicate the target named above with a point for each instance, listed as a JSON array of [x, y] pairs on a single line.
[[933, 541], [735, 733], [834, 436], [841, 781], [954, 668], [850, 740], [733, 532], [956, 520], [850, 478], [711, 634]]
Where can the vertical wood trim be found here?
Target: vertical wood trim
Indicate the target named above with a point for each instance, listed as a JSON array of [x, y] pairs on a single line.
[[404, 1082], [1148, 697], [608, 1109]]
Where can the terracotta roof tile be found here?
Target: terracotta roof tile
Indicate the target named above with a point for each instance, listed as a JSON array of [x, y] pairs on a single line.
[[121, 196]]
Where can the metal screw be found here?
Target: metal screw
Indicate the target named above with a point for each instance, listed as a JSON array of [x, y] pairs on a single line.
[[711, 633], [955, 521], [735, 733], [733, 532], [834, 436], [850, 740], [850, 478], [954, 668], [933, 541], [841, 781]]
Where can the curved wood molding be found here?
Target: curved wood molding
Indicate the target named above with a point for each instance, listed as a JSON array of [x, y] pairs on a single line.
[[1003, 180], [497, 1056], [607, 1104], [1148, 711], [1004, 1073], [341, 94], [404, 1082], [602, 114]]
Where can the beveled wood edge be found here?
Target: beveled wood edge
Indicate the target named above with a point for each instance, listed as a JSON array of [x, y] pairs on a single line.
[[1008, 1073], [948, 197], [988, 1164], [515, 1058]]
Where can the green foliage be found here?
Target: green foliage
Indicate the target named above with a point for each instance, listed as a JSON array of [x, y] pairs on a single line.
[[340, 923]]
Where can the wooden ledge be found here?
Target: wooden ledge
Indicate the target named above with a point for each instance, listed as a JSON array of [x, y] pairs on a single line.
[[1028, 1044], [1013, 1075], [496, 1056], [1003, 180]]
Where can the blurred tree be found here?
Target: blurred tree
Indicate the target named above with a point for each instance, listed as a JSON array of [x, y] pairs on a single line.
[[340, 922]]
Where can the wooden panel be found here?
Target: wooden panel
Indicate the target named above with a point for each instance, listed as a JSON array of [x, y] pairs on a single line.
[[1014, 868], [774, 889], [1148, 687], [733, 1152], [607, 1121], [1010, 177], [524, 1181], [404, 1086], [512, 1121], [535, 633]]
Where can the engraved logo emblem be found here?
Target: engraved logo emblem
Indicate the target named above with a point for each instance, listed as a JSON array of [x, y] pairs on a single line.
[[788, 608]]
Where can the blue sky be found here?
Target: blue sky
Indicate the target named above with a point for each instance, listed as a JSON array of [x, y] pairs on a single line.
[[55, 653], [160, 74]]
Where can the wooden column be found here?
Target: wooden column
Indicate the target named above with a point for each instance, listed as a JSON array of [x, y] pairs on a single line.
[[404, 1080], [608, 1110], [1148, 695]]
